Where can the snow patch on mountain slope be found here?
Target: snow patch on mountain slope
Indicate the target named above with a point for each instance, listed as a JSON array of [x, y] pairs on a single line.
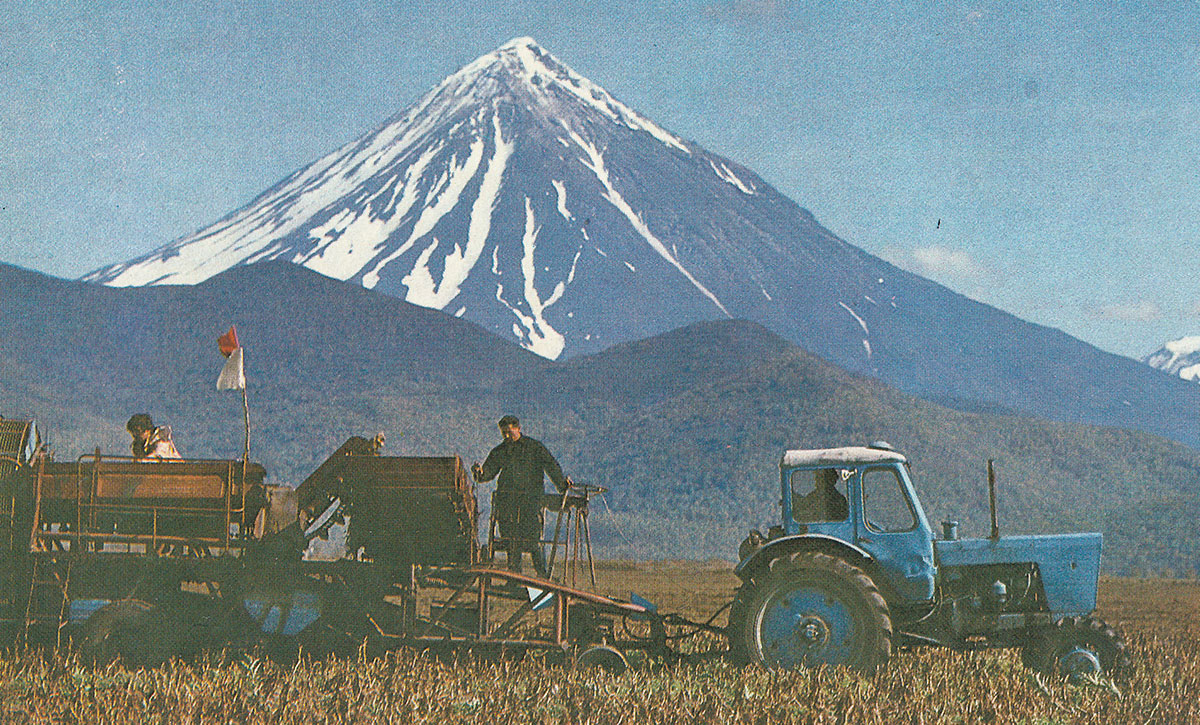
[[574, 264], [861, 323], [731, 178], [345, 243], [1178, 357], [561, 191], [535, 332], [422, 288], [595, 162], [1183, 346]]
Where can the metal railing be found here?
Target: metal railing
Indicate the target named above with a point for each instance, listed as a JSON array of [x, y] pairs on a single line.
[[92, 512]]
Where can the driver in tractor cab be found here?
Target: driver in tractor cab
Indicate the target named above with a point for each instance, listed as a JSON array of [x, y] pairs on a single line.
[[824, 502], [151, 442], [521, 462]]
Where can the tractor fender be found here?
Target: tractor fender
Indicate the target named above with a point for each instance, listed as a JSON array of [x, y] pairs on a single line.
[[776, 548]]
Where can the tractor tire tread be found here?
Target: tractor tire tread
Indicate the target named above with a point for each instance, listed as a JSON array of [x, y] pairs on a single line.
[[740, 649], [1041, 654]]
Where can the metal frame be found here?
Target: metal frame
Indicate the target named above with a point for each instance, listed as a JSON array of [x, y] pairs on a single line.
[[90, 469], [572, 533], [463, 606], [482, 588]]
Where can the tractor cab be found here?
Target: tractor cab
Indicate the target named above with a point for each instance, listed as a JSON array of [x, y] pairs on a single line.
[[858, 501], [862, 496]]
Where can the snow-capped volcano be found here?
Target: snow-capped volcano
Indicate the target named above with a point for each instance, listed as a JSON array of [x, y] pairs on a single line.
[[520, 195], [1178, 357]]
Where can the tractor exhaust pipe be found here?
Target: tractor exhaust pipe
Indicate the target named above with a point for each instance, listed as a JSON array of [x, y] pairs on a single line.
[[992, 498]]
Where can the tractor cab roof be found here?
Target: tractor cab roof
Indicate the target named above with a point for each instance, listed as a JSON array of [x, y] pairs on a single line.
[[848, 455]]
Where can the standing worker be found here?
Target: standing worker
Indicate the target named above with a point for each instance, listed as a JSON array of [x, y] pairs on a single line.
[[521, 462]]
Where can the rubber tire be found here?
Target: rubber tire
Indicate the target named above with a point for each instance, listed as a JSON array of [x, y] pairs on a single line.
[[1089, 633], [141, 634], [841, 581]]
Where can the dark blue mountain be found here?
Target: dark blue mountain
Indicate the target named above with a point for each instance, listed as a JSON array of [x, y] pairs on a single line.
[[685, 428]]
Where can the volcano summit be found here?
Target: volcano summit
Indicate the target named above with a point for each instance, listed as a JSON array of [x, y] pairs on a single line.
[[526, 198]]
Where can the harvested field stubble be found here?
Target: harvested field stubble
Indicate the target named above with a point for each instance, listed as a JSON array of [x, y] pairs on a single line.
[[923, 686]]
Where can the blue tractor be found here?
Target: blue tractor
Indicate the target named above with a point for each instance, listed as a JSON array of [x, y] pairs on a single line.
[[854, 570]]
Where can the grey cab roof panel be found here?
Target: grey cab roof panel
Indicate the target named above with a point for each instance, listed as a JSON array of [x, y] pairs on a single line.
[[848, 455]]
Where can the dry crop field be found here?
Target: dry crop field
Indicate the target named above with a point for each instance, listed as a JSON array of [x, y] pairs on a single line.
[[1161, 620]]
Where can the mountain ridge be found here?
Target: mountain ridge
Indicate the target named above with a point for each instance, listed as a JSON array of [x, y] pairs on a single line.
[[685, 428], [1179, 357]]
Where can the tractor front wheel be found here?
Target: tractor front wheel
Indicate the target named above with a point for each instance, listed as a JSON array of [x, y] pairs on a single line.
[[1077, 647], [811, 609]]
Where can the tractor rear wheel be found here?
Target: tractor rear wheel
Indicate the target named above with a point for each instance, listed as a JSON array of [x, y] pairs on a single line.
[[141, 634], [1076, 647], [811, 609]]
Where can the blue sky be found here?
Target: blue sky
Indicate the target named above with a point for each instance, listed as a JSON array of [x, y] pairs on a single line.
[[1057, 144]]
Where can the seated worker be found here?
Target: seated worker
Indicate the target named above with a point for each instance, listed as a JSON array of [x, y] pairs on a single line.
[[151, 442], [824, 502]]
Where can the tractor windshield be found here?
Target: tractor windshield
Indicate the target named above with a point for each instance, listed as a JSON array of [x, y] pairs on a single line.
[[886, 508]]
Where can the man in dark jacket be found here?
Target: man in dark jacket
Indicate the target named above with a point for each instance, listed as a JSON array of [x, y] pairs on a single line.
[[521, 462]]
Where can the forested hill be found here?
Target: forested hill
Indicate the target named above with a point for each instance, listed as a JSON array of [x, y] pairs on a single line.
[[685, 428]]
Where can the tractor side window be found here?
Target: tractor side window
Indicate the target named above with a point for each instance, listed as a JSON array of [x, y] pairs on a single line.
[[820, 495], [885, 506]]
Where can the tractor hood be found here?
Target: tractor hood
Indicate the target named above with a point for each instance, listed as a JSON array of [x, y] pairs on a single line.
[[1069, 564]]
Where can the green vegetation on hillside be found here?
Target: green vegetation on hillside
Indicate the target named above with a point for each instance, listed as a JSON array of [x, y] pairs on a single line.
[[685, 429]]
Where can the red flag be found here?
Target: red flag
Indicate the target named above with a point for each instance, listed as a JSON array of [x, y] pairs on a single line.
[[228, 342]]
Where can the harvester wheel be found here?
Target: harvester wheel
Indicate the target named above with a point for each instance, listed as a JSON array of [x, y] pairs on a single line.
[[811, 609], [1077, 647], [140, 633], [604, 657]]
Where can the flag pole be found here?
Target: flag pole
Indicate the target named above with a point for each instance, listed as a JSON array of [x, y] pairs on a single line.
[[233, 375], [246, 418], [245, 457]]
